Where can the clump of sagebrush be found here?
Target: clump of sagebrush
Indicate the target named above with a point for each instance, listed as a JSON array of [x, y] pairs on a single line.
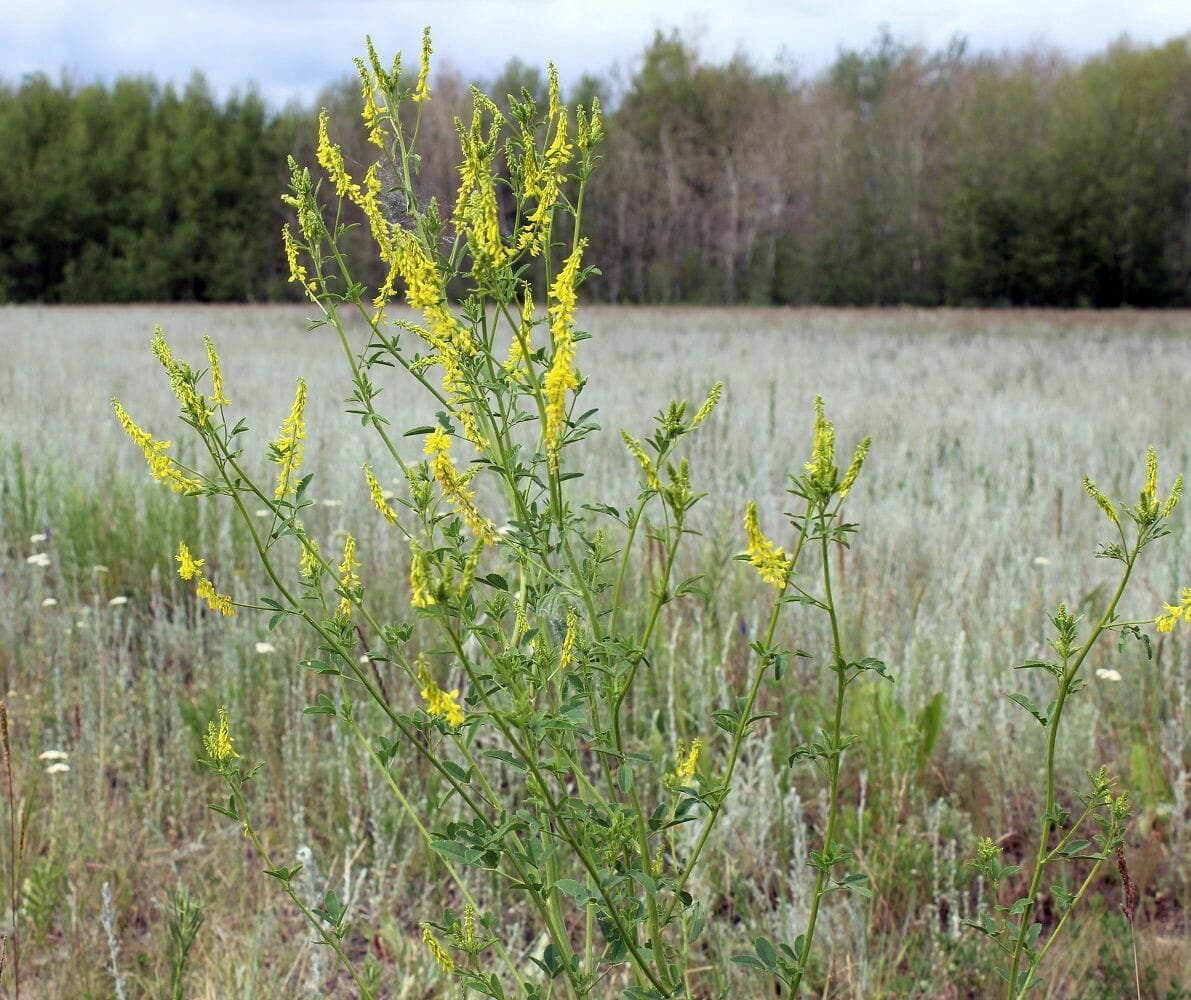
[[1061, 843], [510, 670]]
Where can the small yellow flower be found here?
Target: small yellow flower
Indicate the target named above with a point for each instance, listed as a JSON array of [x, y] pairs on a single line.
[[771, 562], [218, 741], [287, 449], [189, 566], [181, 381]]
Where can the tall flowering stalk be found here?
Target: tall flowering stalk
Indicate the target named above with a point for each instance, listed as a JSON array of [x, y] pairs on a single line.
[[505, 677]]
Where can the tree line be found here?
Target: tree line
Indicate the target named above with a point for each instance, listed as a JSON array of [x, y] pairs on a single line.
[[897, 176]]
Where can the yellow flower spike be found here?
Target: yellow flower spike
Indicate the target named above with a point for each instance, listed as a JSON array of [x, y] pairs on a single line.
[[287, 449], [1151, 486], [454, 486], [330, 157], [854, 468], [378, 496], [422, 90], [770, 561], [1172, 501], [444, 960], [297, 272], [215, 600], [1103, 501], [218, 741], [309, 564], [180, 380], [349, 579], [189, 566], [709, 404], [822, 463], [161, 466], [651, 473], [561, 377], [421, 595], [688, 762], [567, 655], [218, 398], [370, 113], [520, 621]]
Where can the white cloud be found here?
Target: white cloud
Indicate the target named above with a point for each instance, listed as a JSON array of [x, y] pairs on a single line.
[[293, 49]]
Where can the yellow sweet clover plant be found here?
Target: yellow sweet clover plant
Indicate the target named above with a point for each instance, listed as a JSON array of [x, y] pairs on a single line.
[[523, 639]]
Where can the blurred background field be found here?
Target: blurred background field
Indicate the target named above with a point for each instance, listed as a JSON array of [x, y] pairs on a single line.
[[973, 525]]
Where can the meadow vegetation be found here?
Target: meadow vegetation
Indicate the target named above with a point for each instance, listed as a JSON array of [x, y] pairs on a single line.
[[974, 524]]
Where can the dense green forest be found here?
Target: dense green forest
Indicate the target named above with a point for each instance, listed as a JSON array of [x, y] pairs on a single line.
[[896, 176]]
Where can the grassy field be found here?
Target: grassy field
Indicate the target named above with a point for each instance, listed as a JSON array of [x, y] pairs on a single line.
[[974, 525]]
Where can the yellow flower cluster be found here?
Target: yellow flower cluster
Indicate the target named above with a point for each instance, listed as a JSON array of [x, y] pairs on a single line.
[[349, 579], [189, 569], [771, 562], [854, 468], [439, 703], [218, 740], [822, 463], [181, 381], [1103, 501], [422, 90], [544, 180], [688, 761], [561, 377], [454, 486], [445, 962], [567, 656], [330, 157], [378, 496], [421, 594], [287, 449], [651, 473], [1166, 622], [709, 404], [309, 565], [218, 398], [161, 466]]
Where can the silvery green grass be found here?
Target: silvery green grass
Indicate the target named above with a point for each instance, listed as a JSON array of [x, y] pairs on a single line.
[[511, 666]]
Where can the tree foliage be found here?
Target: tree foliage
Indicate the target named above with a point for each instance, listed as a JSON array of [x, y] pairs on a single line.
[[896, 176]]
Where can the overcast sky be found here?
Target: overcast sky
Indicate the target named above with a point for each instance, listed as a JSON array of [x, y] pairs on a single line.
[[291, 48]]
